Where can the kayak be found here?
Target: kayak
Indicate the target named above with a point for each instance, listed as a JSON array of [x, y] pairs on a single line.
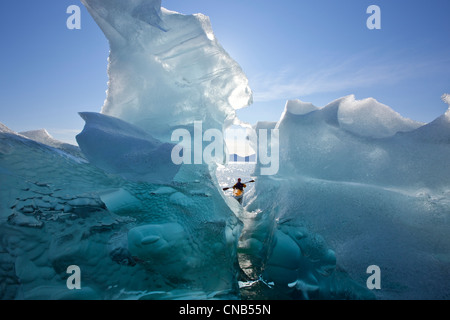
[[238, 195]]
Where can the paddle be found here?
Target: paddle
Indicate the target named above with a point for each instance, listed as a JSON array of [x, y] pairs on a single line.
[[225, 189]]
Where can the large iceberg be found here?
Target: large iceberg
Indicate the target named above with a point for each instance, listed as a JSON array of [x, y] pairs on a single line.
[[357, 187]]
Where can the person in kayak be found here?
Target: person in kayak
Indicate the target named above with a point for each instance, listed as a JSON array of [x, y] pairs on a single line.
[[238, 191]]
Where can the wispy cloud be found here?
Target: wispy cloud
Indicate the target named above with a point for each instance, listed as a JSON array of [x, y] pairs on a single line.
[[352, 73]]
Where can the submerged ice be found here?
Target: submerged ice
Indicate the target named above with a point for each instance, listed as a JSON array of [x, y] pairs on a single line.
[[358, 185]]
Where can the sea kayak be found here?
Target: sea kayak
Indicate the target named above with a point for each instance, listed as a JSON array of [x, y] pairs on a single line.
[[238, 195]]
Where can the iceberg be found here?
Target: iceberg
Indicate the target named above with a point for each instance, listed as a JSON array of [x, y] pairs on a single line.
[[136, 225], [358, 185]]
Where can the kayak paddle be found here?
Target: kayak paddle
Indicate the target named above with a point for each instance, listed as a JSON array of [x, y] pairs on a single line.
[[225, 189]]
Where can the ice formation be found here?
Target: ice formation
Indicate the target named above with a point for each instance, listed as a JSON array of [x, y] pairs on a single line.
[[121, 148], [44, 137], [137, 225], [369, 118], [167, 69], [346, 198], [358, 185], [130, 239]]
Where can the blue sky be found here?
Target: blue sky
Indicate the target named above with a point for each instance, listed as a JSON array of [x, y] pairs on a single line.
[[316, 51]]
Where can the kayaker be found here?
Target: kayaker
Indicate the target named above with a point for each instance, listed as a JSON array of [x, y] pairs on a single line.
[[238, 191]]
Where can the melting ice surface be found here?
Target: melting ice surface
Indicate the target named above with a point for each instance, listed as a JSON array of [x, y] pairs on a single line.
[[358, 185]]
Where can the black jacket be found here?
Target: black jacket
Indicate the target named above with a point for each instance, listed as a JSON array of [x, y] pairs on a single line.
[[239, 186]]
